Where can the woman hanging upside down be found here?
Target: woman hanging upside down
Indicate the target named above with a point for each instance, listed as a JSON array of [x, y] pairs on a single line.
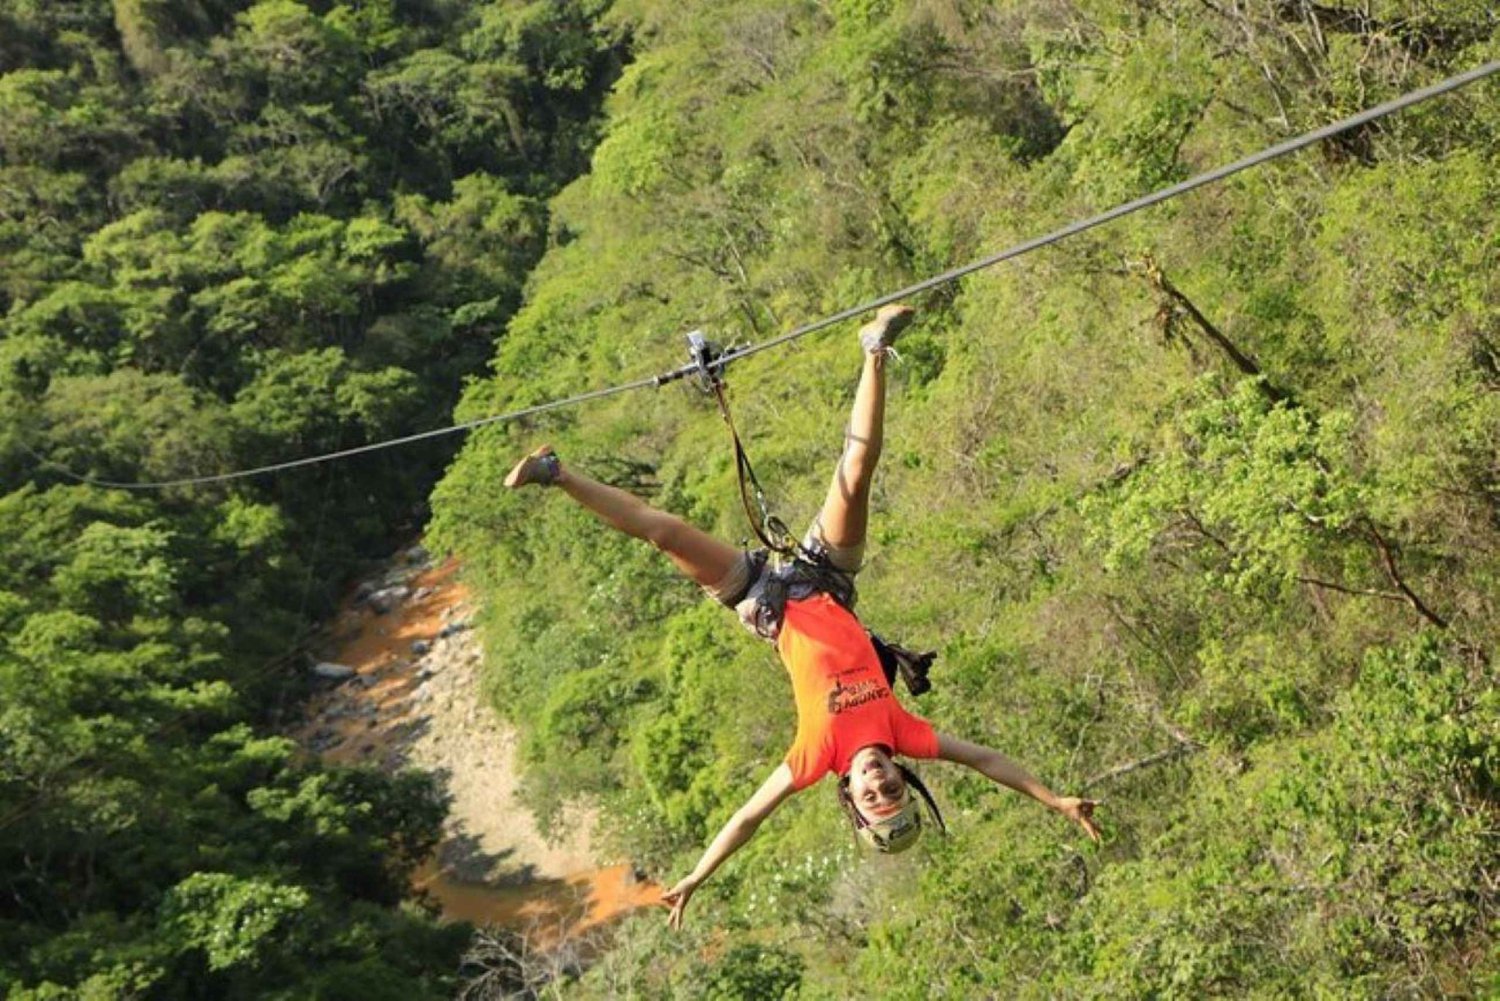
[[848, 720]]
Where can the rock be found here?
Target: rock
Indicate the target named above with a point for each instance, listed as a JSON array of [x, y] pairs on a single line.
[[420, 647], [416, 554], [363, 592], [330, 671], [369, 680], [388, 598], [422, 592], [453, 628]]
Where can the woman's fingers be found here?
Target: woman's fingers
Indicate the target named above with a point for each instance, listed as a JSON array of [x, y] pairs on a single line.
[[1081, 811], [674, 920], [1086, 817], [677, 898]]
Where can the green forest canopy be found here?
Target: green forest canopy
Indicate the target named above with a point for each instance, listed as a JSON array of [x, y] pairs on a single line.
[[236, 233], [232, 233], [1273, 574]]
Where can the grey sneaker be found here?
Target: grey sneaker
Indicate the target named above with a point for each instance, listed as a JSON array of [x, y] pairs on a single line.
[[541, 466], [880, 333]]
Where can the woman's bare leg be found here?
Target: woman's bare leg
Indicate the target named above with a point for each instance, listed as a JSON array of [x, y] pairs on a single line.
[[700, 556], [845, 515]]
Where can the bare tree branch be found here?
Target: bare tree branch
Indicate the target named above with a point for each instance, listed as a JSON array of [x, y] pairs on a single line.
[[1180, 750], [1388, 560], [1363, 592], [1153, 273]]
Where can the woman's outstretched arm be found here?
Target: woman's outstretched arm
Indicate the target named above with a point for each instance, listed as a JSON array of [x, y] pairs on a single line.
[[775, 789], [998, 768]]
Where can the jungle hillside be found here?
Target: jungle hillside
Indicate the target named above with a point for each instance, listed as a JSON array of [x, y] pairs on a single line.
[[1201, 509], [231, 234]]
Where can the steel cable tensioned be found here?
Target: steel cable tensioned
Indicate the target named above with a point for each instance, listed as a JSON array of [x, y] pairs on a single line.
[[1218, 174]]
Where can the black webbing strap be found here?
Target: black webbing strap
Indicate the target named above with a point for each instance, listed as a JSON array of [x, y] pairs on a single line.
[[769, 529], [897, 661]]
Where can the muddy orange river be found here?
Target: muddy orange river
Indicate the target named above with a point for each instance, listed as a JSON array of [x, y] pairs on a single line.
[[372, 718]]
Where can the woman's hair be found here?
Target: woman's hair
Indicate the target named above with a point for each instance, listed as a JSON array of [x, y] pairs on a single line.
[[856, 820]]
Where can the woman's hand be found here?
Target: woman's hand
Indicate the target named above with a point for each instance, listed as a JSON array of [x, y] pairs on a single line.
[[1080, 812], [677, 898], [735, 832]]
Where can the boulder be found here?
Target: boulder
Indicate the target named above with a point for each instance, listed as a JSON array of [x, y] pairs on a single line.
[[453, 628], [420, 647], [388, 598], [327, 669]]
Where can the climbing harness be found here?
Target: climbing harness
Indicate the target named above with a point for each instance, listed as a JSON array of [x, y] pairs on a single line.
[[798, 570]]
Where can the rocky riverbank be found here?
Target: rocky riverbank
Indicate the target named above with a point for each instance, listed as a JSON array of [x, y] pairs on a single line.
[[403, 673]]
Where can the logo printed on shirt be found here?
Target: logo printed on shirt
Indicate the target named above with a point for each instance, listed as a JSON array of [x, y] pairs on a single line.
[[843, 697]]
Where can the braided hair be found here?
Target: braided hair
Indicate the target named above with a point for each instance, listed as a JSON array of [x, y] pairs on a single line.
[[857, 821]]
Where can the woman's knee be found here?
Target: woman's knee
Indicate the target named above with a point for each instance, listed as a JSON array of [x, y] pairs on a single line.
[[860, 457], [855, 474]]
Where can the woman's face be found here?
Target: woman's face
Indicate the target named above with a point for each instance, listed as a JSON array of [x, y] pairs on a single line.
[[876, 784]]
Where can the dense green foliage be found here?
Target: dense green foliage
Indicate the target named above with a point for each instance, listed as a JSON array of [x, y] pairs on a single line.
[[233, 233], [1213, 491]]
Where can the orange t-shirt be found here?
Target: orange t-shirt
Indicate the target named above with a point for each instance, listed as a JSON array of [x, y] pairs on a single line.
[[843, 700]]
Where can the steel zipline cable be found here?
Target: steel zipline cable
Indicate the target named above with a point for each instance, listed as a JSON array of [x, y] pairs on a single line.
[[1271, 153], [238, 474]]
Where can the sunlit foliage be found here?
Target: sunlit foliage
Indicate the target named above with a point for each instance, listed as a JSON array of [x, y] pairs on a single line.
[[231, 234], [1201, 508]]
